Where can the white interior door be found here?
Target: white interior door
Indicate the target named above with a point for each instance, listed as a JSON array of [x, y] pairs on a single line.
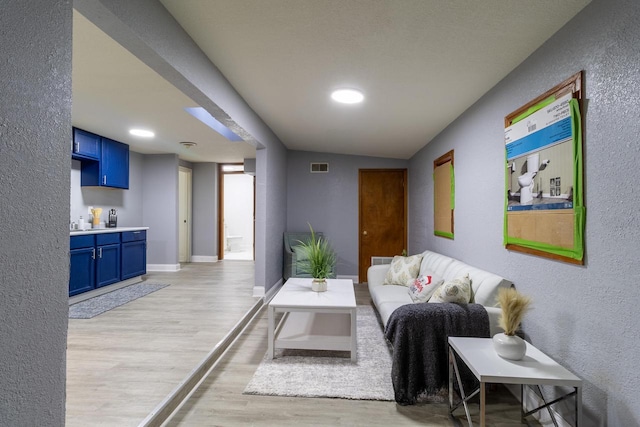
[[184, 215]]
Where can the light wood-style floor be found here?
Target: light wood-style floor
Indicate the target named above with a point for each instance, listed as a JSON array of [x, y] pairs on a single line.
[[219, 400], [121, 364]]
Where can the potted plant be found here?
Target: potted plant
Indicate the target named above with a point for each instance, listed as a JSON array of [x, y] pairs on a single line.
[[514, 305], [318, 259]]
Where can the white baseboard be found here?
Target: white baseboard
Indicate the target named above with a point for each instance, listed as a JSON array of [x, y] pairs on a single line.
[[532, 400], [203, 258], [272, 291], [163, 267], [354, 279], [258, 291]]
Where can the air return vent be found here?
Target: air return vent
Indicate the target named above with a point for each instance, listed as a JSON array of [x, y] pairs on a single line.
[[381, 260], [319, 167]]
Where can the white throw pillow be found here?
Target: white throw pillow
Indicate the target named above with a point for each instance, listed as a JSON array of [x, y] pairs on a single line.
[[403, 270], [424, 286], [457, 290]]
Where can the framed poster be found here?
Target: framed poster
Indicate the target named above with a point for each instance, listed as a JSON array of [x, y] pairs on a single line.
[[444, 195], [544, 210]]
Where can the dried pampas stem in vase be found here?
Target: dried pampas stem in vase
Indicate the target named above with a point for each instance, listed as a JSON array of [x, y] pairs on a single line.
[[514, 305]]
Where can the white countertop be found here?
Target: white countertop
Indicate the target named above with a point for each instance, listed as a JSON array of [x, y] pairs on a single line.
[[105, 230]]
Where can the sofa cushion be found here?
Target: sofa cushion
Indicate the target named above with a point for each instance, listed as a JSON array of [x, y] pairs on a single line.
[[457, 290], [436, 263], [424, 286], [403, 270], [301, 252], [484, 285]]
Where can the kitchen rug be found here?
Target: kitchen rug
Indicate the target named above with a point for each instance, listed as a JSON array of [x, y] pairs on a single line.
[[102, 303], [307, 373]]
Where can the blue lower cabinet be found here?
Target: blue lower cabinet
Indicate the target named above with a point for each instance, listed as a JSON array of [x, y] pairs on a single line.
[[108, 265], [82, 276], [98, 260], [107, 259], [134, 254]]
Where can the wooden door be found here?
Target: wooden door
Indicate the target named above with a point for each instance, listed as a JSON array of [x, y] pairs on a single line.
[[383, 215]]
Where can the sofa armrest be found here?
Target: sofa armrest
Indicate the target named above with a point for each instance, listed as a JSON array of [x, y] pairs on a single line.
[[376, 274], [494, 316]]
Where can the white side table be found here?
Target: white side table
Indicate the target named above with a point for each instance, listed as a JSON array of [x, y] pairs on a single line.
[[536, 368]]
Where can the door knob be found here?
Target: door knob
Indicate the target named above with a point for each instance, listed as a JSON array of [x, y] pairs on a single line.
[[364, 233]]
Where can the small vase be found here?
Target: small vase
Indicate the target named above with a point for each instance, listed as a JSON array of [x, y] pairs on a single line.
[[319, 285], [509, 346]]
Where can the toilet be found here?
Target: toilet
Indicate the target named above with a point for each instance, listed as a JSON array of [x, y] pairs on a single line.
[[234, 243], [526, 181]]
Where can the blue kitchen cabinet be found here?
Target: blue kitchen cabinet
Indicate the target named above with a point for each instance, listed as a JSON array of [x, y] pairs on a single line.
[[107, 259], [134, 254], [85, 145], [82, 263], [112, 170]]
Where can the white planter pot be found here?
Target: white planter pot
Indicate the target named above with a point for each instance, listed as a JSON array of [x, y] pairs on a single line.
[[509, 346], [319, 285]]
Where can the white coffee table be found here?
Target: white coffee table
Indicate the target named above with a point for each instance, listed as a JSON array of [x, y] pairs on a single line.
[[314, 320], [536, 368]]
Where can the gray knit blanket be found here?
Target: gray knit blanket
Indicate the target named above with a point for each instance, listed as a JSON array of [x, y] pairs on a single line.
[[418, 334]]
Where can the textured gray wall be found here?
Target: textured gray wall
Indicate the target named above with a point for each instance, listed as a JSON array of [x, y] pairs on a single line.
[[127, 202], [586, 317], [271, 192], [205, 209], [35, 130], [329, 202], [160, 207], [146, 29]]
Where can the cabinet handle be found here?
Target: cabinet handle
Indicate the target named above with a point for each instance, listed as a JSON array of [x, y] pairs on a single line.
[[99, 252], [93, 253], [104, 180]]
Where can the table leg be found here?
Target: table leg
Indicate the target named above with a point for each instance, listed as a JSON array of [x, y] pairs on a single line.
[[450, 380], [270, 331], [354, 335], [578, 406], [482, 403]]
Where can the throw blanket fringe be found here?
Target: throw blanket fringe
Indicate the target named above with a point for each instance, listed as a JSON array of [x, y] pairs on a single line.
[[418, 334]]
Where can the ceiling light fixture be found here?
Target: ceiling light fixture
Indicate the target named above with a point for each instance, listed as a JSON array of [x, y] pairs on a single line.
[[144, 133], [347, 96], [188, 144]]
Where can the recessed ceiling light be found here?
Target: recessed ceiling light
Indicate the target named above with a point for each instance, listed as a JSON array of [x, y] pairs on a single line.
[[188, 144], [347, 96], [144, 133]]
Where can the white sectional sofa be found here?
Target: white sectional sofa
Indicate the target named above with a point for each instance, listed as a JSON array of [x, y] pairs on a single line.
[[484, 286]]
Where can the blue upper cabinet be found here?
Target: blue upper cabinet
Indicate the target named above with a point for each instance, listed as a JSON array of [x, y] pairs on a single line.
[[85, 145], [115, 164], [112, 170]]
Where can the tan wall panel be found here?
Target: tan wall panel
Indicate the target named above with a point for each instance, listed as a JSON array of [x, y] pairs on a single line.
[[553, 227], [442, 220]]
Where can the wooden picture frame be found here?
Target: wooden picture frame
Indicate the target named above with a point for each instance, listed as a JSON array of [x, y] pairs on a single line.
[[444, 196]]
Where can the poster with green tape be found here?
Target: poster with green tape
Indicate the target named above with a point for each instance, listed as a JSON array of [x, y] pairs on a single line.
[[544, 213]]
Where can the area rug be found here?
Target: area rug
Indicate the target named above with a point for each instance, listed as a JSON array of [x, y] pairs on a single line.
[[305, 373], [102, 303]]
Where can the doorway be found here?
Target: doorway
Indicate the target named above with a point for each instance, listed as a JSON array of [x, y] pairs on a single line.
[[184, 214], [382, 221], [236, 213]]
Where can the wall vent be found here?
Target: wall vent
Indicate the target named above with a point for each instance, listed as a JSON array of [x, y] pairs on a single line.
[[381, 260], [319, 167]]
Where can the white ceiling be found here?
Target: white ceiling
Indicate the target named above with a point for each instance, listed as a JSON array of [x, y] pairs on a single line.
[[420, 63]]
